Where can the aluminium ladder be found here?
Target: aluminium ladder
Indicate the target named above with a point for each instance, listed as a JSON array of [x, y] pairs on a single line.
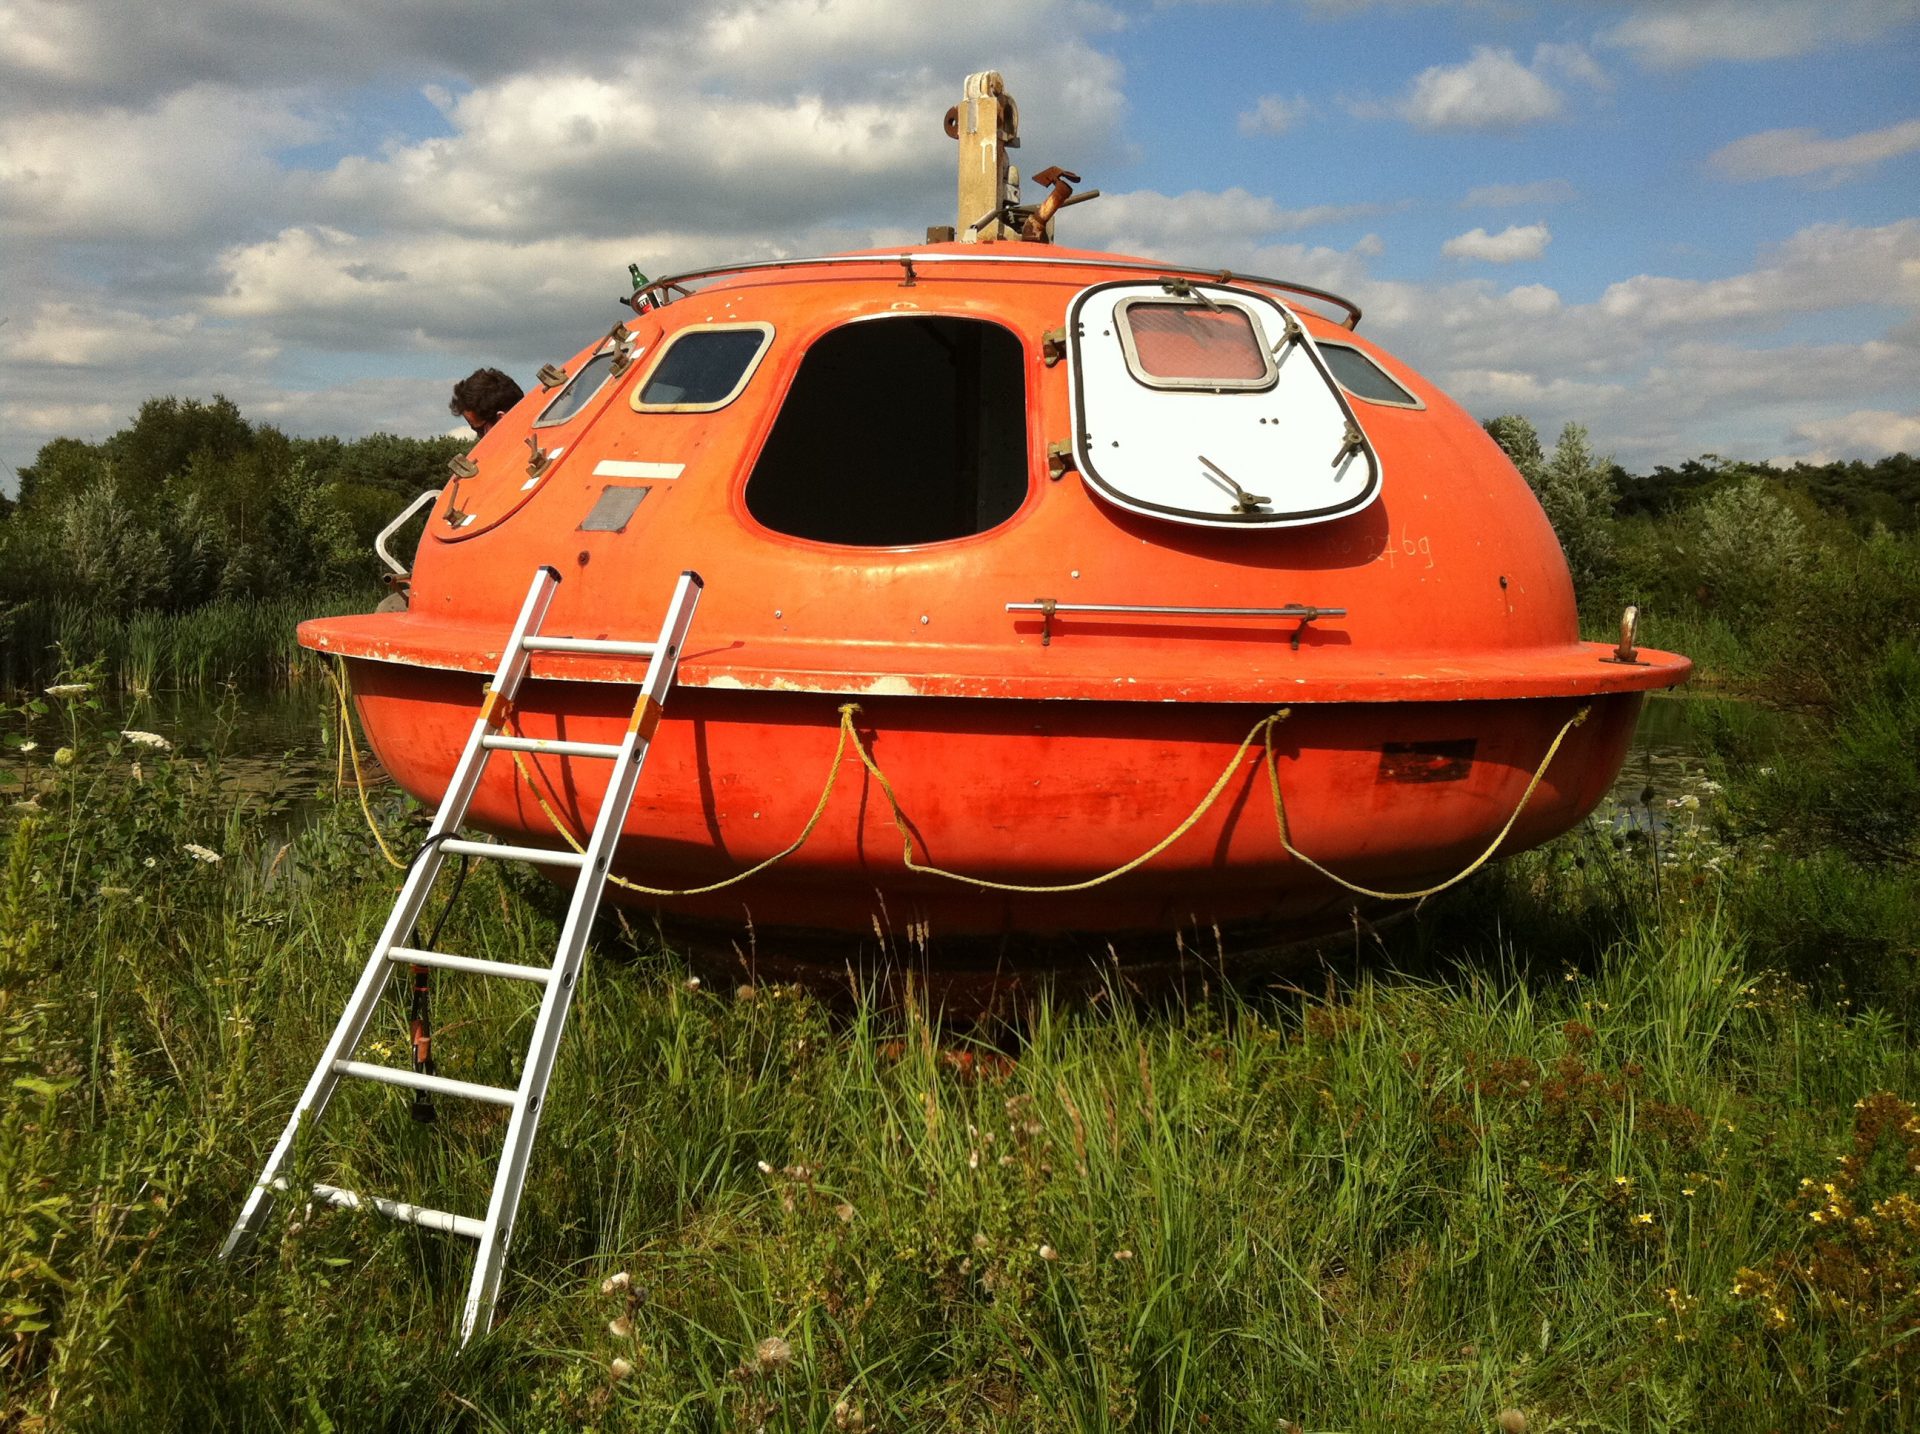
[[391, 949]]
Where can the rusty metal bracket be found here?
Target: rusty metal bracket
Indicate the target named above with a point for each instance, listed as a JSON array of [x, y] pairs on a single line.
[[1046, 606], [1053, 346], [538, 459], [551, 375], [1187, 289], [1059, 459], [1354, 441], [1627, 654], [909, 278], [1059, 183], [461, 466], [621, 337]]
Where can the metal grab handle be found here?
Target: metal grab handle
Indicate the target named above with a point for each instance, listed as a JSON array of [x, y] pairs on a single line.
[[380, 543], [1303, 613]]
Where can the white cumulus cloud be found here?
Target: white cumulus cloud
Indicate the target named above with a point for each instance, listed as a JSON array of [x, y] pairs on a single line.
[[1492, 89], [1792, 153], [1866, 433], [1675, 34], [1273, 114], [1510, 245]]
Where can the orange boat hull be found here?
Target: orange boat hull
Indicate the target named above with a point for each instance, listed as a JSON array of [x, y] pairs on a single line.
[[1390, 796], [1442, 657]]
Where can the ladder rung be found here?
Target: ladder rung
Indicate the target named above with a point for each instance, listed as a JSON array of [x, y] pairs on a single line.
[[554, 745], [500, 851], [605, 647], [420, 1080], [399, 1210], [473, 965]]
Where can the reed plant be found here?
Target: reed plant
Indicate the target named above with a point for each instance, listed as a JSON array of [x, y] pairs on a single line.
[[233, 640], [1586, 1158]]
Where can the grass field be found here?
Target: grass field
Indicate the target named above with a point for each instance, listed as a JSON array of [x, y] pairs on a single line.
[[1581, 1148]]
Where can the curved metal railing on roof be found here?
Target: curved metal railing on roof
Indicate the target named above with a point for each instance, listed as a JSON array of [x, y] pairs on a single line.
[[910, 260]]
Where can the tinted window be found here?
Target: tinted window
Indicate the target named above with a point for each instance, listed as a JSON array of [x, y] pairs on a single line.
[[1363, 378], [703, 368], [581, 387], [1193, 345]]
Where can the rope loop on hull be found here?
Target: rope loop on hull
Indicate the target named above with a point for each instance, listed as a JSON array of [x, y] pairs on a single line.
[[349, 747], [1262, 731], [1280, 817]]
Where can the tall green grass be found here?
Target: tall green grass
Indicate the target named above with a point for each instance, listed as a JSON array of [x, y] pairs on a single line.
[[1581, 1157], [244, 640]]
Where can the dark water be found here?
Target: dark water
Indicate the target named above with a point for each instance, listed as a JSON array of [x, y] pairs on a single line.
[[1669, 753]]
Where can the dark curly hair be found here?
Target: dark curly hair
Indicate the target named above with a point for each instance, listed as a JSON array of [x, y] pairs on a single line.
[[486, 392]]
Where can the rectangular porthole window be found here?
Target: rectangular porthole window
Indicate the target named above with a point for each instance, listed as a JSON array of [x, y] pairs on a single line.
[[699, 370], [1363, 378], [581, 387], [1182, 343]]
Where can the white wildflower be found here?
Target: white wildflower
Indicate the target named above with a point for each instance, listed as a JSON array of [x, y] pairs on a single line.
[[29, 746], [202, 853], [620, 1327], [773, 1354], [70, 689], [147, 739], [620, 1368], [619, 1280], [1047, 1252]]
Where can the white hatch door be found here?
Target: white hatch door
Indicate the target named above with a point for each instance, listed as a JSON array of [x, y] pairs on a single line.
[[1210, 405]]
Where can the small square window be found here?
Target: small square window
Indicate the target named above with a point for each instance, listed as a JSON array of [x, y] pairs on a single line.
[[703, 369], [1179, 343], [581, 387], [1363, 378]]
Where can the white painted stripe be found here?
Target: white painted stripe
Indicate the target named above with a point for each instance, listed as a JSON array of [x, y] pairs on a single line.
[[619, 468]]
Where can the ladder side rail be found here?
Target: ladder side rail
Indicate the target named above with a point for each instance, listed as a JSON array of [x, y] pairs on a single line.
[[400, 922], [504, 1202]]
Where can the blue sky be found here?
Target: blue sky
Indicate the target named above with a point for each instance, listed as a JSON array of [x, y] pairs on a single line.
[[1693, 225]]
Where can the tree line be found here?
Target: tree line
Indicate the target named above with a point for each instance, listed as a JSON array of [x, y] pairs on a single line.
[[191, 502]]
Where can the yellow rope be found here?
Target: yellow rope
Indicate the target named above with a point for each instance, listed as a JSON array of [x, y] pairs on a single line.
[[1265, 724], [1262, 730], [1280, 816], [338, 675], [819, 809]]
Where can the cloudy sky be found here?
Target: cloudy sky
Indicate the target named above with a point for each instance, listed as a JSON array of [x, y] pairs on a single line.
[[1693, 225]]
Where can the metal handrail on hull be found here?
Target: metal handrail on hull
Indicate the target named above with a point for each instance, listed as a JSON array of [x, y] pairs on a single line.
[[910, 259]]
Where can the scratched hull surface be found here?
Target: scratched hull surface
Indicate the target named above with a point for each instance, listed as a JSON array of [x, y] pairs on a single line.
[[1439, 656]]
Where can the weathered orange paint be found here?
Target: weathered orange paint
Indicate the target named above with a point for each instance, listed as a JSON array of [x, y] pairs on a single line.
[[1014, 760]]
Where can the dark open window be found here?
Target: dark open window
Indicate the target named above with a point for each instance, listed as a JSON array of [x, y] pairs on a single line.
[[898, 431]]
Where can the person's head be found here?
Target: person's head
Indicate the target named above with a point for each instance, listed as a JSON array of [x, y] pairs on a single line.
[[482, 396]]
